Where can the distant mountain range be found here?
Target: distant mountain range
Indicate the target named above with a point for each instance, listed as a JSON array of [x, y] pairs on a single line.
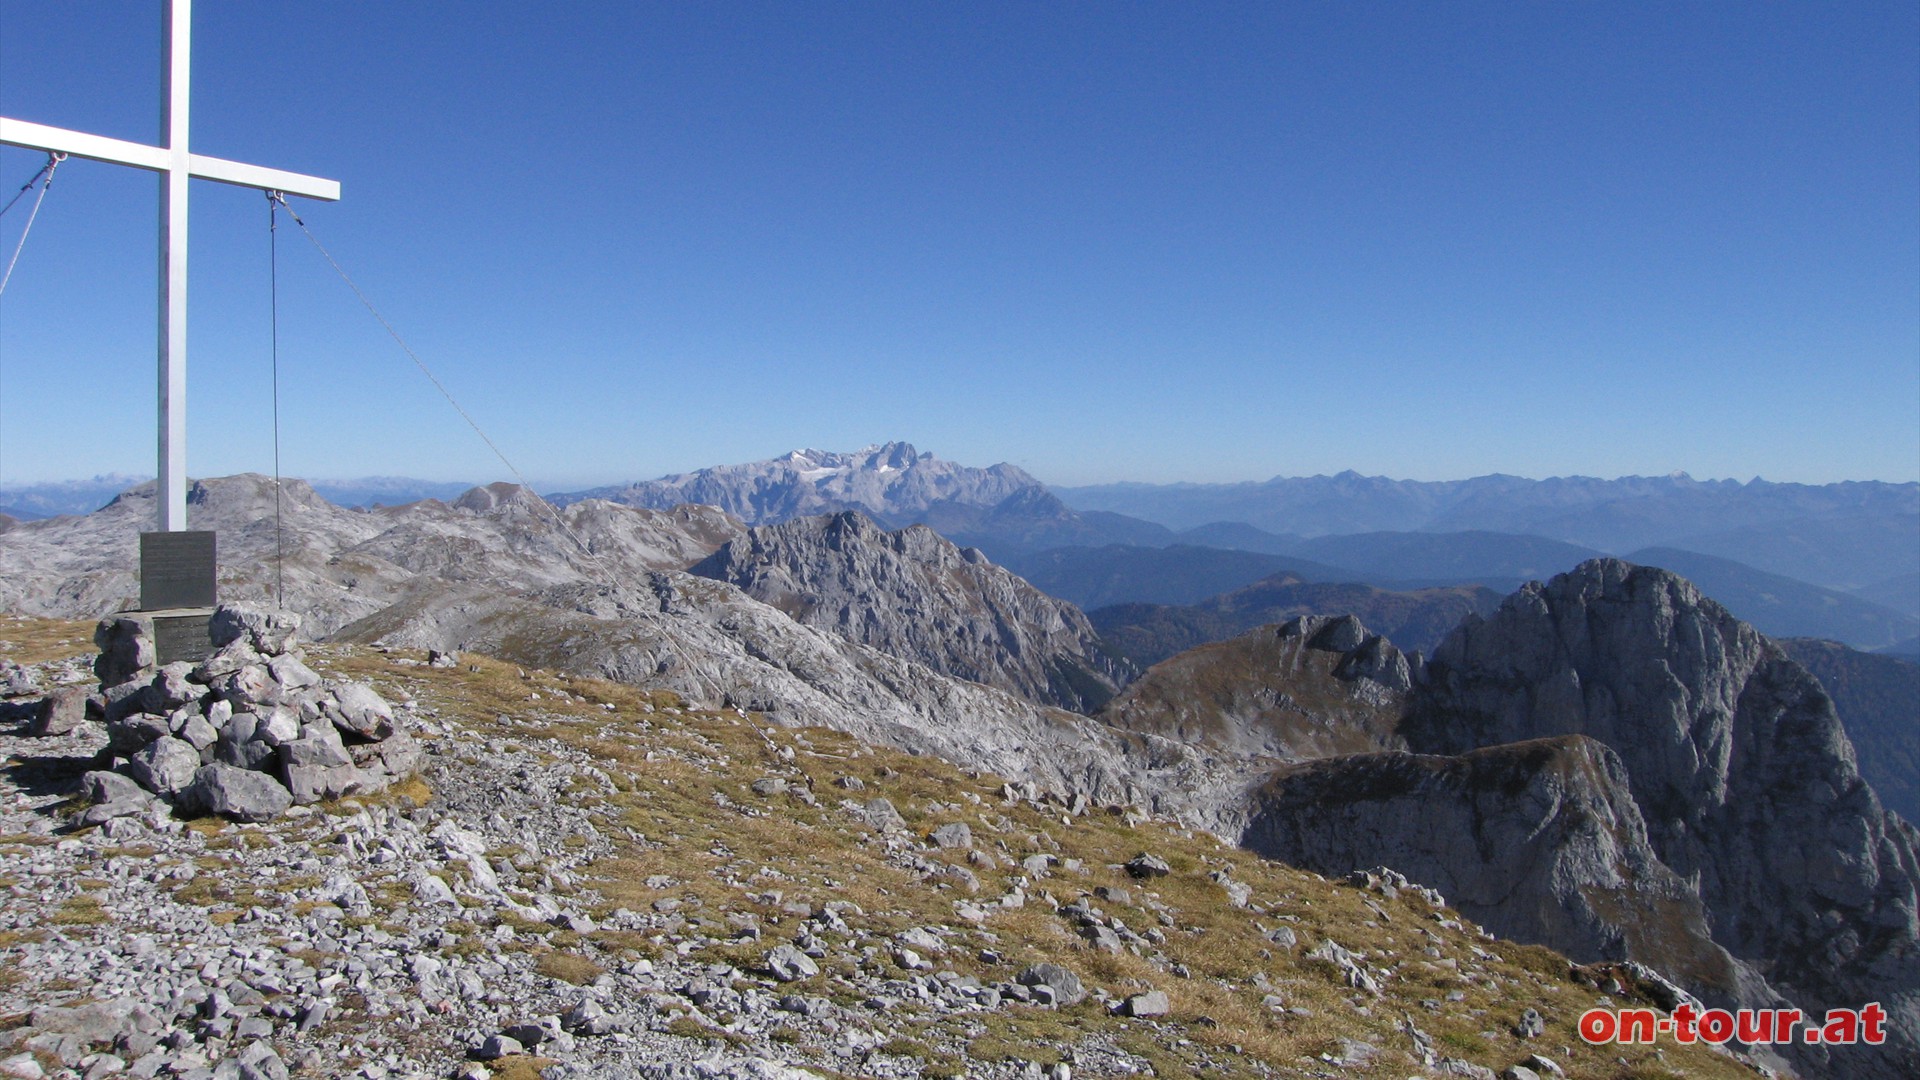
[[1837, 561], [1843, 535], [32, 502]]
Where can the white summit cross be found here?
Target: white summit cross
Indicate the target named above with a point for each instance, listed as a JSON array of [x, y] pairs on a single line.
[[175, 165]]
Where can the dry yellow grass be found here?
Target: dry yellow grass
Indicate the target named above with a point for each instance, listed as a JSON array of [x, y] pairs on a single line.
[[682, 779]]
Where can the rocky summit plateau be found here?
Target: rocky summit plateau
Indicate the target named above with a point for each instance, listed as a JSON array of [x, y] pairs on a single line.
[[609, 790]]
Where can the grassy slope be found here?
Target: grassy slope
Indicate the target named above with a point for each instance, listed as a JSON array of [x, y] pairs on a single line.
[[681, 782]]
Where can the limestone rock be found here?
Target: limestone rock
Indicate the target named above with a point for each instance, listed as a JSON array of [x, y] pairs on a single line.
[[241, 794], [1736, 760], [61, 711], [915, 595]]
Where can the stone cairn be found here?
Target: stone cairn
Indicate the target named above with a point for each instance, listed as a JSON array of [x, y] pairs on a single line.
[[247, 733]]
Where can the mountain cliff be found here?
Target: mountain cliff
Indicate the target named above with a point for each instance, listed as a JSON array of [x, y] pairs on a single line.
[[1540, 840], [913, 594], [1878, 699], [1734, 755]]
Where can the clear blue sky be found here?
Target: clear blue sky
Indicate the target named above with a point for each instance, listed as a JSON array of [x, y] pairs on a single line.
[[1103, 241]]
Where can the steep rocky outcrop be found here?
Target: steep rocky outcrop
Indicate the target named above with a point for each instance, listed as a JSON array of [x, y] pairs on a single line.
[[713, 645], [1539, 841], [587, 589], [1313, 687], [1878, 699], [914, 595], [1737, 761]]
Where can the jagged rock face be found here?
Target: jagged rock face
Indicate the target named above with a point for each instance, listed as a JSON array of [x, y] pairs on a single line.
[[715, 646], [1736, 759], [1313, 687], [496, 572], [914, 595], [1539, 841], [884, 480], [339, 565]]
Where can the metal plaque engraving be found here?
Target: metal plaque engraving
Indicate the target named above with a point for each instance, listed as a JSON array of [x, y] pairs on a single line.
[[177, 570], [184, 635]]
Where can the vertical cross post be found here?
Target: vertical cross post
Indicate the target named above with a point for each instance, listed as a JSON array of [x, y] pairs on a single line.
[[171, 493], [176, 165]]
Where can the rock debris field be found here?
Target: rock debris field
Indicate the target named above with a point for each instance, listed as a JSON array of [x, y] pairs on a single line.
[[585, 880]]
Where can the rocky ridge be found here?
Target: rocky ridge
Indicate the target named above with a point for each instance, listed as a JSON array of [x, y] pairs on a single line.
[[913, 594], [884, 480], [595, 881], [1737, 761], [1414, 620], [1313, 687], [340, 565]]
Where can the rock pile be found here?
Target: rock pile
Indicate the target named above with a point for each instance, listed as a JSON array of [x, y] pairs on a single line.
[[246, 733]]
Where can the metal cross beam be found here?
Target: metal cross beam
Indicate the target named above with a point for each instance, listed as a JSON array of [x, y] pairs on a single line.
[[175, 165]]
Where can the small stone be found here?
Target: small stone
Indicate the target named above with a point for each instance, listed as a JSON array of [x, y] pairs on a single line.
[[880, 816], [1148, 866], [1518, 1072], [357, 710], [788, 964], [953, 835], [498, 1046], [770, 785], [100, 787], [1151, 1003], [1547, 1065], [60, 712], [1530, 1026], [1062, 985]]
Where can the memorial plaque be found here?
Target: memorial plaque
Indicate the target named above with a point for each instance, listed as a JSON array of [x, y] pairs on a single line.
[[177, 570], [182, 635]]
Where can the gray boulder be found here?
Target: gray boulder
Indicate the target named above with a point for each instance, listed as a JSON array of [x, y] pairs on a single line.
[[359, 712], [269, 631], [165, 766], [240, 794], [63, 710], [1065, 985]]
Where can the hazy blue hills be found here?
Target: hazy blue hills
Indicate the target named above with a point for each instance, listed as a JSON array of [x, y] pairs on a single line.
[[1434, 557], [1029, 520], [1783, 607], [1176, 574], [1845, 534], [1240, 536], [1901, 593], [1878, 698], [387, 490], [1413, 619], [31, 502]]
